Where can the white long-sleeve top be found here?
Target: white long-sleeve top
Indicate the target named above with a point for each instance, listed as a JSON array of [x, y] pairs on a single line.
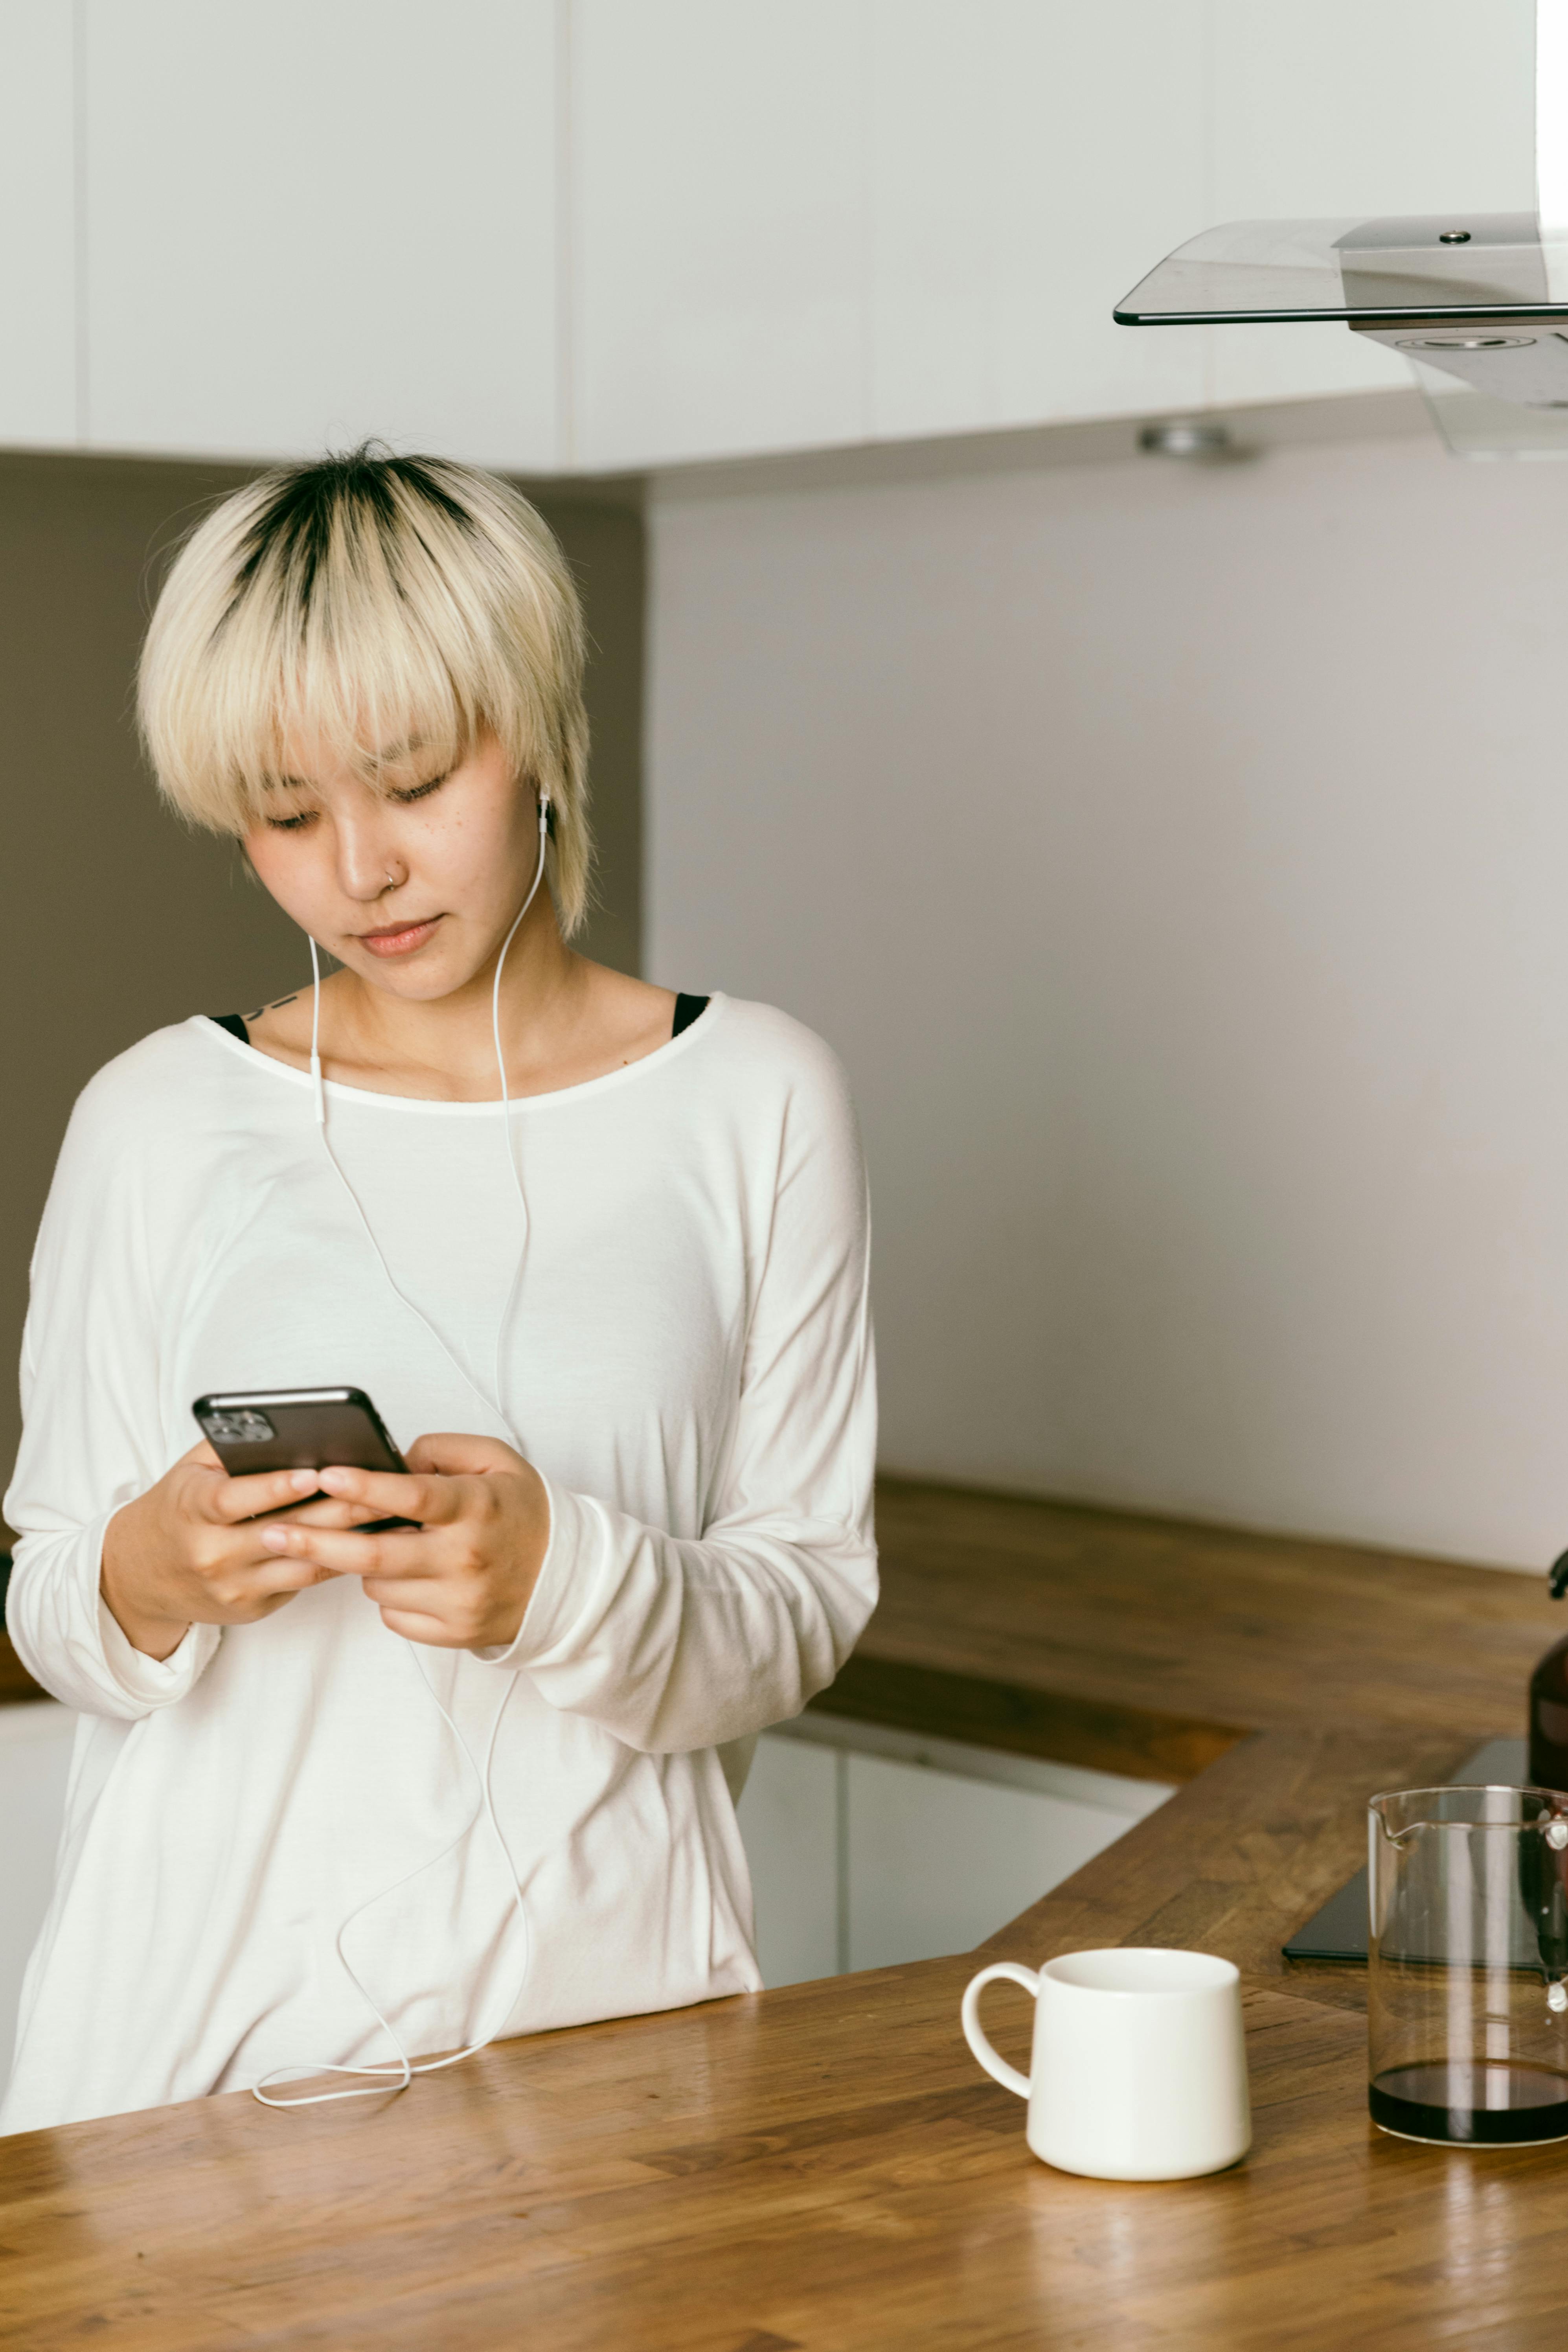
[[687, 1363]]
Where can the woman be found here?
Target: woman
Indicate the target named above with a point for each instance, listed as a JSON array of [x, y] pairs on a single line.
[[628, 1311]]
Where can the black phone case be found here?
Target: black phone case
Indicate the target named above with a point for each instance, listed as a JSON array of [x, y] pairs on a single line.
[[312, 1428]]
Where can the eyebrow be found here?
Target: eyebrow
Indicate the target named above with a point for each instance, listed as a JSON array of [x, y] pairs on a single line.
[[395, 755]]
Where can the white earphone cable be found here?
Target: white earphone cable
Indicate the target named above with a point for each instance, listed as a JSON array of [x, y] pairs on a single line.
[[510, 1299], [494, 1403], [400, 2073]]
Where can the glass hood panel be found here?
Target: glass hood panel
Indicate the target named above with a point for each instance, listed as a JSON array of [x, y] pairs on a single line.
[[1436, 266]]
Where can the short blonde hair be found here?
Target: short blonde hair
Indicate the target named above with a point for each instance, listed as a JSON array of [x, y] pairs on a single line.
[[369, 600]]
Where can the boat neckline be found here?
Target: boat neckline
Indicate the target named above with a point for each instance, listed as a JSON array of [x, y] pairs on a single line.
[[659, 1059]]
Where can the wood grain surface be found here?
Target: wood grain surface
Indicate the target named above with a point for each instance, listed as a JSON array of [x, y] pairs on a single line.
[[824, 2169], [819, 2170], [1137, 1741], [1201, 1625]]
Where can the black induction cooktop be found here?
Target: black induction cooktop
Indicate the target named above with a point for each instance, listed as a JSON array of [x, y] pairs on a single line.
[[1339, 1931]]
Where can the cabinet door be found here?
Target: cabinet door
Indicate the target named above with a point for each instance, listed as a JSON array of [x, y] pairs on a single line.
[[35, 1761], [1368, 107], [318, 220], [936, 1863], [717, 227], [789, 1817], [37, 206], [1028, 163]]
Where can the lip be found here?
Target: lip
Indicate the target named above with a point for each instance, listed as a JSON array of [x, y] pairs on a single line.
[[400, 939]]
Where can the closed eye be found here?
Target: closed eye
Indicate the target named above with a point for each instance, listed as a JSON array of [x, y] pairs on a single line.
[[418, 791], [295, 823]]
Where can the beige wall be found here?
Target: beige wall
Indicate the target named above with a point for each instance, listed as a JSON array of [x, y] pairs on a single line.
[[1179, 858], [115, 920]]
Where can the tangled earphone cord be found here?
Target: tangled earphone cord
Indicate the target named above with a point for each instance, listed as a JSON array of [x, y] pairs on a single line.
[[401, 2071]]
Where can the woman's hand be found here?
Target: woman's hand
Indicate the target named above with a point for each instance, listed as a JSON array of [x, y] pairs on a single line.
[[187, 1552], [462, 1579]]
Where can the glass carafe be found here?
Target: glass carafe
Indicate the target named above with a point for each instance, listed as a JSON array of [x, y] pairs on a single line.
[[1467, 2006]]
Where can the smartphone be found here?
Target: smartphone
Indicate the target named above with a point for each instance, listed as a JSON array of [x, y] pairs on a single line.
[[299, 1429]]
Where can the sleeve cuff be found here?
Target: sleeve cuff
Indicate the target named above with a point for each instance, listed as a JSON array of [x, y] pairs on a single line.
[[576, 1536], [156, 1682]]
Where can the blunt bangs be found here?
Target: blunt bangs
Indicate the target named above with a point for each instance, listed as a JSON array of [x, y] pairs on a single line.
[[361, 604]]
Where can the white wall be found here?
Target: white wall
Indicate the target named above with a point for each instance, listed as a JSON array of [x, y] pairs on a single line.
[[1179, 860]]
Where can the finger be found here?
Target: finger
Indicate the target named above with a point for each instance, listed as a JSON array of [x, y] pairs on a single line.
[[295, 1575], [452, 1455], [269, 1577], [396, 1588], [324, 1512], [233, 1499], [390, 1494], [346, 1554], [414, 1625], [264, 1600]]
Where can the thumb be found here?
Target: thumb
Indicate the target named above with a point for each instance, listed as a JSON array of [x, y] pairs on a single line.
[[452, 1455]]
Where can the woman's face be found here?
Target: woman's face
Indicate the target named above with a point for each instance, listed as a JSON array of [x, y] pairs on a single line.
[[413, 886]]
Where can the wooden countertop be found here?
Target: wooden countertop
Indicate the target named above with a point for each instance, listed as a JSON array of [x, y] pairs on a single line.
[[822, 2168]]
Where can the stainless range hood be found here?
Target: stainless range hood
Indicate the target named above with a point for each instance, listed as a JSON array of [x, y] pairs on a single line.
[[1477, 302]]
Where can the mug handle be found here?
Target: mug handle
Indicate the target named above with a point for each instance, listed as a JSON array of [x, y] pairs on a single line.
[[975, 2033]]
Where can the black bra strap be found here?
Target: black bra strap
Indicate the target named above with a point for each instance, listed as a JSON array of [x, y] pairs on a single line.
[[687, 1010]]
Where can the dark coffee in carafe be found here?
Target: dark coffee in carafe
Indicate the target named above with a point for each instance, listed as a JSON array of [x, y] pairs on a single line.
[[1549, 1719], [1548, 1700]]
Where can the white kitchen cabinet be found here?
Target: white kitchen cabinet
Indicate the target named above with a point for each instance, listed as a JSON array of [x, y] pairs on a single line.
[[869, 1847], [318, 220], [587, 234], [939, 1861], [866, 219], [1026, 164], [1358, 107], [38, 225], [1030, 163], [886, 218], [34, 1761], [789, 1817], [717, 227]]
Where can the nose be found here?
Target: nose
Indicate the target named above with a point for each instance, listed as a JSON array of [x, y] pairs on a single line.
[[368, 859]]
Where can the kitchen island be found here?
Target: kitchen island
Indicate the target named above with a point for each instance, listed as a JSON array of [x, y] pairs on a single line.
[[825, 2167]]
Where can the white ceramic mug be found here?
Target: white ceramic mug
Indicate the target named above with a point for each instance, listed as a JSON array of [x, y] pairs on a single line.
[[1139, 2070]]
